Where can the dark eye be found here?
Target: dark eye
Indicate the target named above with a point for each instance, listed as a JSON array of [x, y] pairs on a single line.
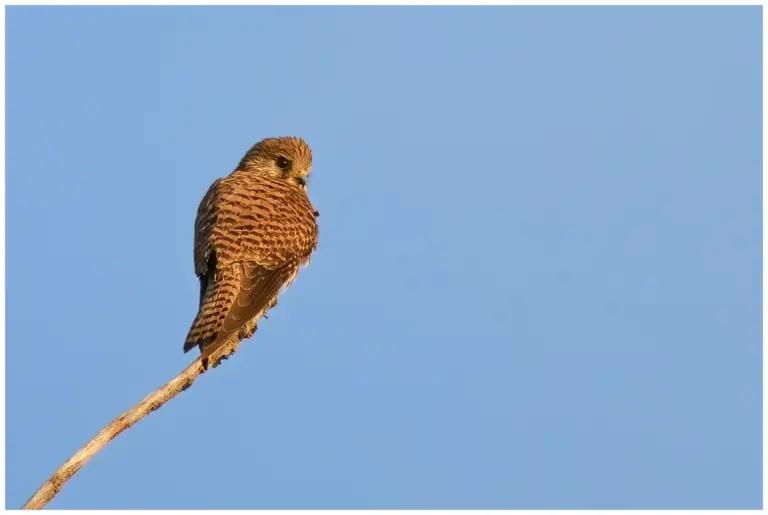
[[282, 162]]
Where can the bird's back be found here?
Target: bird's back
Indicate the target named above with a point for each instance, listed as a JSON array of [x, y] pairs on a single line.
[[252, 233]]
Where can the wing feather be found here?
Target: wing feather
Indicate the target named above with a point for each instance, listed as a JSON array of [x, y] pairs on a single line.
[[258, 288]]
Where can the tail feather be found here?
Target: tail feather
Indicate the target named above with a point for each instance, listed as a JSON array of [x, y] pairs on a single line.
[[219, 296]]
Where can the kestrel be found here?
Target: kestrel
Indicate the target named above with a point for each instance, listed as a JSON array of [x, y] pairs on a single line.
[[254, 229]]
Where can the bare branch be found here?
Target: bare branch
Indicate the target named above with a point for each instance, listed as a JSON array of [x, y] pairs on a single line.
[[150, 403]]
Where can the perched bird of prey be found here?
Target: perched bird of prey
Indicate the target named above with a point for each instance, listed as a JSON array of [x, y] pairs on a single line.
[[254, 229]]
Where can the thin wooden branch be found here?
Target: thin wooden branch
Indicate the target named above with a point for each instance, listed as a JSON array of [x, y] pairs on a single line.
[[150, 403]]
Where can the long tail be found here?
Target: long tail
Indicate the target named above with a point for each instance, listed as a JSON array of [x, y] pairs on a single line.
[[219, 297]]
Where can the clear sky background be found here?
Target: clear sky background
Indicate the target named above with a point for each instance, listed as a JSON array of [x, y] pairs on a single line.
[[538, 283]]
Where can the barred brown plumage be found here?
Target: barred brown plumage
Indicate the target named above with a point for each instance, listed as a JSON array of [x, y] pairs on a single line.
[[253, 231]]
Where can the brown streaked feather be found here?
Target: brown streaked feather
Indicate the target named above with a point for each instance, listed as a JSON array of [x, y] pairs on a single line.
[[204, 223], [222, 290]]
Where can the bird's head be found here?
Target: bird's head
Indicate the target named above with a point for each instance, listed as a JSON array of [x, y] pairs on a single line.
[[288, 158]]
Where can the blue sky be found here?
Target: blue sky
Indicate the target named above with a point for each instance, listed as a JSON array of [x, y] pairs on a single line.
[[538, 283]]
